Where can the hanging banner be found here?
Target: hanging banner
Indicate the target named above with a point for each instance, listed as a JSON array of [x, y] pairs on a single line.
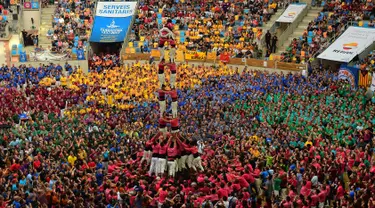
[[112, 20], [80, 54], [155, 53], [373, 82], [350, 44], [211, 56], [23, 57], [291, 13], [48, 56], [27, 5], [349, 74], [193, 55]]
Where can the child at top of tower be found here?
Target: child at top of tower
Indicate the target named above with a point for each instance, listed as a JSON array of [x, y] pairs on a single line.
[[167, 31]]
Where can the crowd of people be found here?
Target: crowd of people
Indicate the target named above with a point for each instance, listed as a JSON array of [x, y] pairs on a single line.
[[330, 22], [72, 23], [103, 61], [264, 139], [225, 25], [18, 76]]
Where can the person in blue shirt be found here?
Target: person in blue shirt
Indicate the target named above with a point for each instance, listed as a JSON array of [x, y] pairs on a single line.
[[58, 67], [16, 204]]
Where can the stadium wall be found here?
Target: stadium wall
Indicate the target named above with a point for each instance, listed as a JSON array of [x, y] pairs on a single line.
[[266, 64]]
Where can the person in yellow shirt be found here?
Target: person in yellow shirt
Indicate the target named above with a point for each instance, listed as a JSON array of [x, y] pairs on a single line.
[[64, 81], [72, 159]]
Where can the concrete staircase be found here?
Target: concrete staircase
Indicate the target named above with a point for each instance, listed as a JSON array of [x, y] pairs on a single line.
[[311, 15], [45, 25], [269, 25]]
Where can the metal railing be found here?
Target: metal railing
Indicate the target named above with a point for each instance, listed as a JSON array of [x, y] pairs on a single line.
[[282, 39]]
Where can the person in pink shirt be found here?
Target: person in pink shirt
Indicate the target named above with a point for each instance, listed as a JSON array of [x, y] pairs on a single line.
[[287, 203], [314, 199], [322, 194], [306, 189]]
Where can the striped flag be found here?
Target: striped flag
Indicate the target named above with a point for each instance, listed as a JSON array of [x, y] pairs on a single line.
[[363, 80]]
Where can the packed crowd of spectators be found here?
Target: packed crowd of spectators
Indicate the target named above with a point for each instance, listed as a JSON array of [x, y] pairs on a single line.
[[268, 140], [103, 61], [206, 25], [72, 23], [3, 21], [330, 23], [18, 76]]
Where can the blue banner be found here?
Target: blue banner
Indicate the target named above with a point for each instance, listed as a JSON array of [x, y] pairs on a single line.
[[110, 30], [80, 54], [350, 74], [23, 57], [112, 21], [35, 5]]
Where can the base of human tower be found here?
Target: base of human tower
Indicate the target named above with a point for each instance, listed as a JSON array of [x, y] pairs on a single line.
[[169, 153]]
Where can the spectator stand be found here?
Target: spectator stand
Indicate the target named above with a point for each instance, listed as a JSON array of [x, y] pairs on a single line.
[[64, 32], [240, 34], [331, 22], [215, 60], [4, 23]]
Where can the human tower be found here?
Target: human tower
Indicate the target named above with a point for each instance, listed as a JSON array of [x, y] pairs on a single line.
[[167, 151]]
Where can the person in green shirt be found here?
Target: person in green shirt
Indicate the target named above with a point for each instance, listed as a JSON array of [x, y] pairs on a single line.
[[277, 185]]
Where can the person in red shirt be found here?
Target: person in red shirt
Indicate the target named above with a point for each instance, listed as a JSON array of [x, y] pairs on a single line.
[[161, 75], [155, 155], [173, 68], [194, 160], [163, 125], [162, 161], [172, 156], [340, 192], [162, 102], [173, 94], [183, 153], [37, 164], [172, 50], [147, 152], [222, 192], [175, 125]]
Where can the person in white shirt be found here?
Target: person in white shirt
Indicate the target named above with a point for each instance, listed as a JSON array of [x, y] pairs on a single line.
[[201, 146]]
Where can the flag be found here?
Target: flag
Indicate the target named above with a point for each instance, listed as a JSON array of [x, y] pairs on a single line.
[[349, 74], [363, 78]]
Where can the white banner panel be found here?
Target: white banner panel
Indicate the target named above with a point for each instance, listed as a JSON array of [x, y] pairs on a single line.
[[291, 13], [373, 82], [48, 56], [115, 9], [351, 43]]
